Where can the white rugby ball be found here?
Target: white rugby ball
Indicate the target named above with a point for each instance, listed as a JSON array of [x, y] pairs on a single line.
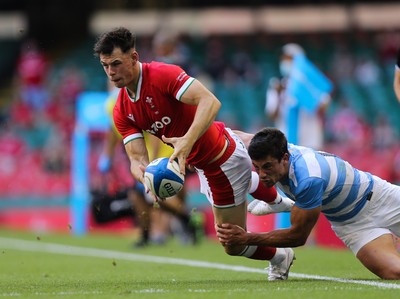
[[163, 178]]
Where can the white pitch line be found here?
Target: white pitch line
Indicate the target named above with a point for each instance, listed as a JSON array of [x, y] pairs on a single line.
[[22, 245]]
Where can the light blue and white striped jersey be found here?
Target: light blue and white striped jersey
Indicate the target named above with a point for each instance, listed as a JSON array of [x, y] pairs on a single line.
[[319, 178]]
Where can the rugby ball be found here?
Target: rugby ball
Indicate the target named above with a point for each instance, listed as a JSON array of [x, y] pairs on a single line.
[[163, 178]]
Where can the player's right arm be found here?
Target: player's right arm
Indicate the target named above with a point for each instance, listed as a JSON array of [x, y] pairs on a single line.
[[132, 137], [302, 221], [207, 109], [138, 157]]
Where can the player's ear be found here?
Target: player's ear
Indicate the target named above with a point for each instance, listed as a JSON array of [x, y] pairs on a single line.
[[285, 157], [134, 56]]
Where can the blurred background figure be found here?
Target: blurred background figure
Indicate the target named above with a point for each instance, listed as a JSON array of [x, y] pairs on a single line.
[[297, 103], [168, 48], [302, 109], [31, 75], [275, 106]]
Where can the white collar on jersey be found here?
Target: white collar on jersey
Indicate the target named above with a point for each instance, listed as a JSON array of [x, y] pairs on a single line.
[[139, 85]]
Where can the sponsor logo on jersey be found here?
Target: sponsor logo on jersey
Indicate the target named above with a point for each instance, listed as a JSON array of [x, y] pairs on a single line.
[[149, 100], [159, 125], [130, 116]]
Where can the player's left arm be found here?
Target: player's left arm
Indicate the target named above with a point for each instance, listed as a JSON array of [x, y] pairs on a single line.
[[296, 235], [138, 158], [303, 216], [207, 109]]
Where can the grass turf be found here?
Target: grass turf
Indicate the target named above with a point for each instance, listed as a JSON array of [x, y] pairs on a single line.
[[27, 274]]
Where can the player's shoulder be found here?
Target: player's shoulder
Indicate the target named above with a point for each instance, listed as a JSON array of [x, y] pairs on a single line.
[[301, 152], [162, 69], [303, 161], [160, 65]]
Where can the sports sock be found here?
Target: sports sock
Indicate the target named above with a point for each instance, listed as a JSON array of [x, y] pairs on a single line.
[[260, 192], [279, 256], [259, 252]]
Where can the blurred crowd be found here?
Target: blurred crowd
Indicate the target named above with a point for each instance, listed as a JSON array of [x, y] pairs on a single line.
[[362, 122], [35, 135]]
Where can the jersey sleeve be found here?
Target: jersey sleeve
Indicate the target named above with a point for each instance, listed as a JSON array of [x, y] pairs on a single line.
[[125, 127], [309, 193], [173, 80]]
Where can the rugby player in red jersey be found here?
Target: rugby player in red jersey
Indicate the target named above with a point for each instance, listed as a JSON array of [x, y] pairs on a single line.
[[164, 101]]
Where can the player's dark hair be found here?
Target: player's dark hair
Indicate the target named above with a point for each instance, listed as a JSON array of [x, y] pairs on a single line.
[[117, 38], [268, 142], [398, 58]]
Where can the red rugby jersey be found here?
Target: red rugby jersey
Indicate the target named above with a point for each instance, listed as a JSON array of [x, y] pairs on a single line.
[[157, 109]]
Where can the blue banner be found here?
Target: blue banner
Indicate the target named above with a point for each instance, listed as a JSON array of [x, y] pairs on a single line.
[[307, 84]]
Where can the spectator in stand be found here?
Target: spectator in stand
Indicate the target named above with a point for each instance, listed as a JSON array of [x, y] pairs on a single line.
[[384, 136], [31, 76], [65, 88], [275, 103], [386, 44], [215, 58], [347, 128], [71, 81], [54, 158], [367, 71], [288, 110], [168, 48]]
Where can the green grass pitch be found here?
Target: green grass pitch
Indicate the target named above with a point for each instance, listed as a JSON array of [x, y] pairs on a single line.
[[36, 265]]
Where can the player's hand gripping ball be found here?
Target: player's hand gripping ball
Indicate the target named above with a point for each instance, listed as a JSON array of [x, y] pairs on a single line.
[[163, 178]]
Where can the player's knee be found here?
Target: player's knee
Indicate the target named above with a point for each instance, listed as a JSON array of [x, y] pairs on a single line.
[[390, 273]]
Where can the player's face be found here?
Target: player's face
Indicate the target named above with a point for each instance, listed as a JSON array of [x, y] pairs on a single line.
[[271, 170], [119, 67]]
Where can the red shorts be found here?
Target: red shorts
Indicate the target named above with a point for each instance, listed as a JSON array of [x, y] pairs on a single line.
[[226, 182]]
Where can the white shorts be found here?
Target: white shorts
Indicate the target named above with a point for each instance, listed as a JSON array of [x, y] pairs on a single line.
[[380, 215], [228, 185]]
